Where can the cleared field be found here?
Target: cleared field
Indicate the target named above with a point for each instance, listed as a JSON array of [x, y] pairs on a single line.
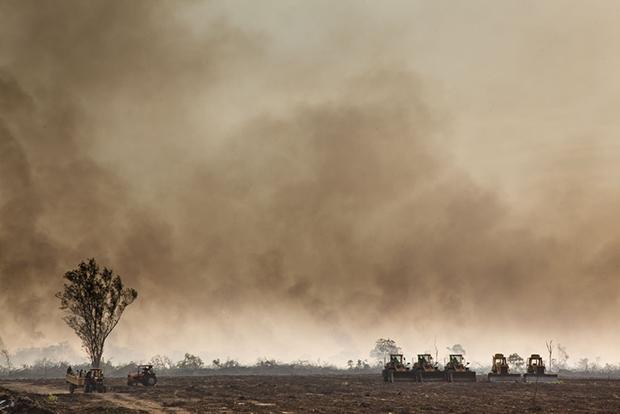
[[317, 394]]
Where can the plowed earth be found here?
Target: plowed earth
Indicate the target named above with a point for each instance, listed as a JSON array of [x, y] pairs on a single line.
[[314, 394]]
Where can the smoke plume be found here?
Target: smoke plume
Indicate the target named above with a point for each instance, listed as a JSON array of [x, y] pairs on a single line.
[[270, 193]]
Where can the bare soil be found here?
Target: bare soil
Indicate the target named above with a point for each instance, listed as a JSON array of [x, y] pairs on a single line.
[[316, 394]]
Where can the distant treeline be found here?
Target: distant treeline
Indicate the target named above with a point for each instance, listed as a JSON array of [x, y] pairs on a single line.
[[47, 364], [191, 365]]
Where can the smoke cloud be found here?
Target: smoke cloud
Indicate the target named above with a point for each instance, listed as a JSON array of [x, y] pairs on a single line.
[[299, 187]]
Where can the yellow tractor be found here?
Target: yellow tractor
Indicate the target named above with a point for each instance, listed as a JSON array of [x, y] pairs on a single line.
[[500, 371], [536, 371], [457, 371]]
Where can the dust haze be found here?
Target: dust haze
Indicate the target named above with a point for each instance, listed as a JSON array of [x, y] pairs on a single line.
[[294, 180]]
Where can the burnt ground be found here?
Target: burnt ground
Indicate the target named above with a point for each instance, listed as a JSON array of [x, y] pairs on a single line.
[[316, 394]]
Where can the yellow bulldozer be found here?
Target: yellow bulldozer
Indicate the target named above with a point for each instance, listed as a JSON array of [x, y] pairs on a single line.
[[396, 369], [536, 371], [422, 371], [458, 371], [426, 369], [500, 370]]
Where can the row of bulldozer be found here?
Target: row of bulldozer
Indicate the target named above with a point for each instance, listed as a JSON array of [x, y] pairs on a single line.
[[535, 371], [456, 370], [426, 370]]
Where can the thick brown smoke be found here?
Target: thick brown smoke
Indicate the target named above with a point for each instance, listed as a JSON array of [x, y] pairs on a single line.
[[264, 199]]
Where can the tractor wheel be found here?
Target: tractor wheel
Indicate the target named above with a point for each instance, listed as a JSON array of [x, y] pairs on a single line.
[[130, 383], [71, 388], [87, 389], [391, 377], [150, 381]]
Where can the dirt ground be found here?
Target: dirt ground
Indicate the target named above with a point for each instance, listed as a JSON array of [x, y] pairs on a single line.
[[314, 394]]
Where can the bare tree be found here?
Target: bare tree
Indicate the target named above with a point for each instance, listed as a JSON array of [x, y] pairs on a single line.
[[94, 300], [384, 347], [436, 350], [583, 364], [562, 356], [161, 362], [550, 350]]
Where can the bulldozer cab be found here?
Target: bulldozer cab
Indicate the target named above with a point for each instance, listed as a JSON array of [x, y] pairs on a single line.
[[500, 370], [397, 362], [535, 364], [499, 359], [396, 359], [499, 365], [425, 358], [457, 363], [535, 360], [456, 359], [425, 361]]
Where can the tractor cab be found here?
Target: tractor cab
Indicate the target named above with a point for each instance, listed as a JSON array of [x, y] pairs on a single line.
[[144, 375], [145, 369]]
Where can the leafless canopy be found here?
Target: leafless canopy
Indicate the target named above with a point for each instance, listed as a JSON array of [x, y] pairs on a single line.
[[94, 301], [549, 345], [384, 347]]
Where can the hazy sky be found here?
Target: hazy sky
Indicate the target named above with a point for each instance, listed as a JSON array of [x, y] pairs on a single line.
[[294, 179]]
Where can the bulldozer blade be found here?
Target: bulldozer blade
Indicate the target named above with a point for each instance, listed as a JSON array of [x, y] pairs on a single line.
[[505, 378], [404, 376], [398, 376], [547, 378], [461, 376], [431, 376]]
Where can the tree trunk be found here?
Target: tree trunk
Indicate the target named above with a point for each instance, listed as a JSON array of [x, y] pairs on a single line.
[[97, 360]]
